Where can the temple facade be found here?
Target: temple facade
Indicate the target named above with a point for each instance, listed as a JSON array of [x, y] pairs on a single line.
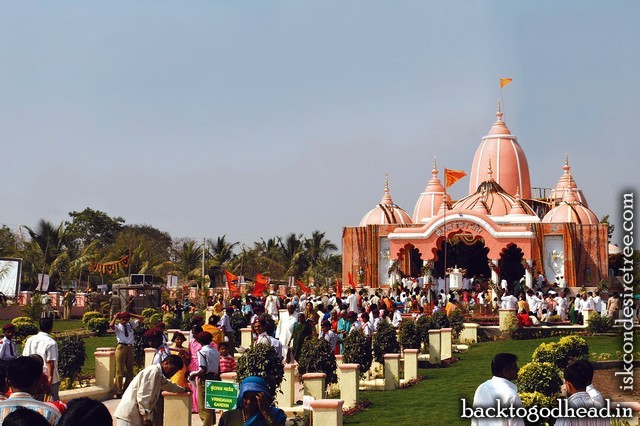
[[505, 229]]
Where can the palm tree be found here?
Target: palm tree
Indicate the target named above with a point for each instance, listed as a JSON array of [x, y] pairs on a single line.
[[51, 242], [188, 260], [317, 248]]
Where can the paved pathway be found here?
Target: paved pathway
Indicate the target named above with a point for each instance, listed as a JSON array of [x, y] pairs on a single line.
[[113, 403]]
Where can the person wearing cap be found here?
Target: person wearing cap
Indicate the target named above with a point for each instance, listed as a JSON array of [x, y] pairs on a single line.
[[154, 338], [162, 327], [8, 348], [124, 328], [138, 406], [253, 407], [208, 369]]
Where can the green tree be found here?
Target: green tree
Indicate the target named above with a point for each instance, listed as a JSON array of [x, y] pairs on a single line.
[[8, 242], [51, 242], [89, 225], [188, 259]]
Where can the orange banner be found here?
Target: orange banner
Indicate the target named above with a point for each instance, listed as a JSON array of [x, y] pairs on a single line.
[[452, 176], [504, 82]]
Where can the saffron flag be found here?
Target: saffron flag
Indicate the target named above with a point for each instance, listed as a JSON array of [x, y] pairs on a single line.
[[452, 176], [504, 82], [338, 288], [260, 285], [351, 282], [303, 287], [230, 278]]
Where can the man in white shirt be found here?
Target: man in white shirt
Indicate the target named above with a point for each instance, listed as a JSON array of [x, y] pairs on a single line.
[[139, 400], [8, 348], [352, 301], [225, 325], [124, 328], [504, 368], [44, 345], [509, 301], [396, 318], [561, 306], [597, 303], [271, 305], [328, 334]]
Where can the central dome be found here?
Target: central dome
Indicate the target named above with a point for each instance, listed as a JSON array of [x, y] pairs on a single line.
[[511, 170]]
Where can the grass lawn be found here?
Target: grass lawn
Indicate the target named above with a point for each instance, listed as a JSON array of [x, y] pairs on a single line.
[[436, 400]]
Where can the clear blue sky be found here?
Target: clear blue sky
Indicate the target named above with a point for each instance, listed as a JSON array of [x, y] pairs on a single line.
[[254, 119]]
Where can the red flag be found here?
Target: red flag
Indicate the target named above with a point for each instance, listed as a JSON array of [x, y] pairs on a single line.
[[230, 279], [261, 285], [303, 287], [452, 176], [338, 288], [351, 282]]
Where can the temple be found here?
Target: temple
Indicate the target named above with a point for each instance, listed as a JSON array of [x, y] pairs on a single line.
[[505, 229]]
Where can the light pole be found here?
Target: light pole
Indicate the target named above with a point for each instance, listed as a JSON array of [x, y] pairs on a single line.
[[204, 248]]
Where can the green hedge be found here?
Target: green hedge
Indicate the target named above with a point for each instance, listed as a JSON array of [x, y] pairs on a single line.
[[543, 377]]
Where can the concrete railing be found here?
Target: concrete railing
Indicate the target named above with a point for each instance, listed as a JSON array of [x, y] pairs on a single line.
[[504, 316], [586, 316], [315, 385], [177, 408], [391, 371], [105, 375], [149, 353], [434, 347], [349, 384], [410, 364], [229, 377], [288, 387], [469, 333], [445, 343], [246, 337], [327, 412]]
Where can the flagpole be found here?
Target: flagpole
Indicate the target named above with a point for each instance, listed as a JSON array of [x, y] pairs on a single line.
[[444, 270]]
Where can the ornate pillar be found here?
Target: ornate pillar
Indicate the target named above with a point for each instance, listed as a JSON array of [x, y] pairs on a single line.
[[494, 275], [528, 276]]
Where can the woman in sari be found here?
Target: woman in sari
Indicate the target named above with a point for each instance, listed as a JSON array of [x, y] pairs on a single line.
[[254, 406], [302, 331]]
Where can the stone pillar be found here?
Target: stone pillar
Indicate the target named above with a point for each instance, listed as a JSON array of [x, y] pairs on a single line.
[[445, 343], [177, 408], [349, 384], [314, 385], [339, 362], [327, 412], [229, 377], [339, 359], [105, 367], [494, 274], [55, 299], [287, 396], [434, 347], [504, 315], [410, 364], [469, 333], [586, 316], [24, 298], [391, 371], [246, 337], [149, 353]]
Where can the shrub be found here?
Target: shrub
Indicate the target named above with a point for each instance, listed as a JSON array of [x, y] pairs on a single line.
[[171, 321], [440, 320], [571, 348], [185, 324], [154, 319], [25, 327], [263, 361], [423, 325], [456, 321], [543, 377], [71, 353], [408, 335], [545, 352], [531, 399], [98, 326], [317, 357], [88, 316], [238, 321], [385, 341], [148, 312], [600, 324], [139, 343], [357, 350], [34, 308]]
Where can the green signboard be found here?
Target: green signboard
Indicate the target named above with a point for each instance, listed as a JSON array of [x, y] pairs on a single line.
[[220, 395]]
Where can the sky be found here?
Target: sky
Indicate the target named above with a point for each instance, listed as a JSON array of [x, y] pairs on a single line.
[[256, 119]]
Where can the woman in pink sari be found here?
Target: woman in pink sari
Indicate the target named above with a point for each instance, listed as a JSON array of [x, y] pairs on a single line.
[[194, 347]]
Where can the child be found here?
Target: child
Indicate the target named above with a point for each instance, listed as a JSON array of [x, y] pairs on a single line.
[[180, 378], [227, 361]]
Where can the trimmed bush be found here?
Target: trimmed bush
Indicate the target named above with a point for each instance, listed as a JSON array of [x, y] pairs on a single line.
[[456, 321], [148, 312], [139, 343], [440, 320], [238, 321], [600, 324], [154, 319], [263, 361], [408, 336], [25, 327], [98, 326], [385, 341], [545, 352], [423, 325], [71, 353], [317, 357], [571, 348], [543, 377], [88, 316], [531, 399], [170, 320], [357, 350]]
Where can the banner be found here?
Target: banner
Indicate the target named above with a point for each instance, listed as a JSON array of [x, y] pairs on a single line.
[[303, 287], [230, 279], [260, 285], [110, 267]]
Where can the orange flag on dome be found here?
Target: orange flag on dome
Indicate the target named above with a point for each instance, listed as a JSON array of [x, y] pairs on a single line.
[[230, 278], [261, 285], [504, 81], [452, 176], [303, 287]]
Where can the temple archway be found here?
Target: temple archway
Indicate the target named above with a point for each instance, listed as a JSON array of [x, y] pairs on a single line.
[[465, 251], [410, 261], [510, 265]]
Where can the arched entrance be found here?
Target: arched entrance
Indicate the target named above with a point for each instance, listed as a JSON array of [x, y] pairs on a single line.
[[466, 251], [510, 265], [410, 261]]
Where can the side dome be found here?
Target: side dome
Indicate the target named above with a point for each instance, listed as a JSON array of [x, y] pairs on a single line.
[[570, 210], [491, 199], [510, 162], [566, 180], [385, 213], [431, 198]]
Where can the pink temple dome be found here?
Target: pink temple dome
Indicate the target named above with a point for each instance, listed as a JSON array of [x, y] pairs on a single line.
[[510, 164], [386, 212], [566, 180], [491, 199], [431, 198], [570, 210]]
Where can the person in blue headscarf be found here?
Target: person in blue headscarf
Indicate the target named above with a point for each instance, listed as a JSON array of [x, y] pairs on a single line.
[[254, 406]]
